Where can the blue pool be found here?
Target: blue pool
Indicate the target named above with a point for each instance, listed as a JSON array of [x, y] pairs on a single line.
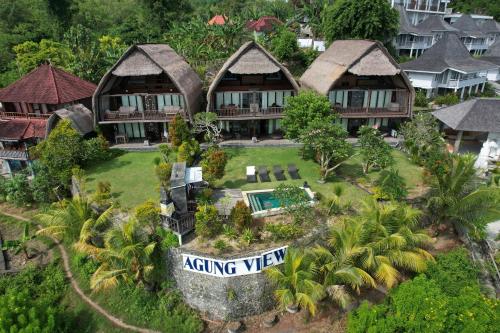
[[261, 201]]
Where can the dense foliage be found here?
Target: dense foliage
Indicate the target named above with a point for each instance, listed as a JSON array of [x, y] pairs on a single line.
[[241, 216], [208, 223], [213, 164], [483, 7], [374, 150], [445, 299], [178, 131]]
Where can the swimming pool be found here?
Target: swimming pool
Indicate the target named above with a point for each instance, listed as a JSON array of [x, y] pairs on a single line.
[[263, 203]]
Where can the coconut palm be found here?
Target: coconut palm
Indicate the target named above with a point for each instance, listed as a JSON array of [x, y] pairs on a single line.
[[21, 244], [458, 197], [91, 232], [66, 218], [126, 257], [295, 282], [338, 265], [391, 241]]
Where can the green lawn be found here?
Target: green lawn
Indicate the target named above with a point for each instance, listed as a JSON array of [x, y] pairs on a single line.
[[239, 158], [131, 175]]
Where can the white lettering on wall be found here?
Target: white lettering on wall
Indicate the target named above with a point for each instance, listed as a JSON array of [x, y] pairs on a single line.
[[235, 267]]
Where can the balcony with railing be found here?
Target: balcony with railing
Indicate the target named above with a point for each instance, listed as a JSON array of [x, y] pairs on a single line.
[[371, 103], [128, 114], [254, 112], [13, 154], [17, 115]]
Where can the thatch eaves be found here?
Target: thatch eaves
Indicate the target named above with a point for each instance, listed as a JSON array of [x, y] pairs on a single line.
[[152, 59], [81, 118], [250, 58], [478, 115]]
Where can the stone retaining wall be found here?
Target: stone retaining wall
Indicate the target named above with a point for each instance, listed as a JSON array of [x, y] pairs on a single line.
[[228, 298]]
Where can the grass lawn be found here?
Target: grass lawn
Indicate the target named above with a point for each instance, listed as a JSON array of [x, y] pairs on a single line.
[[131, 175], [239, 158]]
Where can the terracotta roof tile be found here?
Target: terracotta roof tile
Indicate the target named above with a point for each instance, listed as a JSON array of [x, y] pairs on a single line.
[[47, 85], [263, 24], [19, 129]]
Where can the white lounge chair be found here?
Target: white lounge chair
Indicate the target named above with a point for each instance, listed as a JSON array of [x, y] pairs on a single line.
[[251, 177]]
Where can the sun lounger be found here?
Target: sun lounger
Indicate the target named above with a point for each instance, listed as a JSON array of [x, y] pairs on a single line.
[[293, 172], [278, 173], [251, 177], [264, 174]]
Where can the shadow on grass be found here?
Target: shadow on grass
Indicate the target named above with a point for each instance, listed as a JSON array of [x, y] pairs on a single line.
[[108, 165], [351, 170], [238, 183]]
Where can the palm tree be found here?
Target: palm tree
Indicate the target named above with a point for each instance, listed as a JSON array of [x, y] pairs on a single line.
[[126, 257], [391, 242], [457, 196], [295, 282], [338, 265], [21, 244], [66, 218], [92, 230]]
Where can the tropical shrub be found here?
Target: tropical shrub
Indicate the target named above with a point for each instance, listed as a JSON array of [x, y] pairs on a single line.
[[421, 100], [178, 131], [18, 190], [220, 245], [241, 216], [294, 201], [95, 149], [448, 99], [147, 215], [213, 164], [247, 237], [205, 196], [102, 194], [391, 186], [374, 150], [284, 45], [282, 231], [208, 222], [164, 171], [188, 151]]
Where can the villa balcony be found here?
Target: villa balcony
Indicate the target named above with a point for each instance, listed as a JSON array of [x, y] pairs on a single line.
[[14, 154], [133, 116], [460, 83], [17, 115], [237, 113], [364, 112]]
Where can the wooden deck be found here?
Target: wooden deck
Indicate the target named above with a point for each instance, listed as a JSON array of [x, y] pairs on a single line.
[[179, 226], [248, 114], [113, 117]]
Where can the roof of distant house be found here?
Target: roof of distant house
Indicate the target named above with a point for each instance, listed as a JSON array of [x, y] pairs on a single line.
[[22, 129], [218, 20], [493, 53], [47, 85], [154, 59], [467, 26], [490, 26], [263, 24], [359, 57], [448, 52], [81, 118], [478, 115], [435, 23], [405, 26]]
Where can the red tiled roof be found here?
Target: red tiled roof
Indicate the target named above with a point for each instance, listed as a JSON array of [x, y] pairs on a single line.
[[19, 129], [218, 20], [47, 85], [263, 24]]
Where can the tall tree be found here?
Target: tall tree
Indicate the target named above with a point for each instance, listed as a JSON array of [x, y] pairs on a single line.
[[360, 19], [163, 12], [483, 7], [374, 150]]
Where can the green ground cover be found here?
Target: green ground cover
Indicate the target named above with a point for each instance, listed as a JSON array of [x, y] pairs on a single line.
[[131, 175], [239, 158]]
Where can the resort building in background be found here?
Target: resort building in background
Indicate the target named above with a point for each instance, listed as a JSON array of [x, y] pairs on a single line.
[[493, 56], [448, 67], [249, 92], [27, 105], [419, 10], [474, 39], [148, 86], [364, 84]]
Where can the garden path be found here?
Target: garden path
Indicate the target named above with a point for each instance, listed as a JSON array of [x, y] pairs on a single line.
[[114, 320]]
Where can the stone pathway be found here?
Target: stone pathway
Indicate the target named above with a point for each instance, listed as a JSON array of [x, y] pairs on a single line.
[[112, 319]]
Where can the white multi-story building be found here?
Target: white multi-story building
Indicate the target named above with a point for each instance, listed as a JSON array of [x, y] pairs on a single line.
[[448, 67], [419, 10]]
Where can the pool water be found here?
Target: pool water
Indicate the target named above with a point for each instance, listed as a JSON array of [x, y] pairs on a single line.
[[260, 201]]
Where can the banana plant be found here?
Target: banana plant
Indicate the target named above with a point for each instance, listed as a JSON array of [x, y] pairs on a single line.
[[21, 244]]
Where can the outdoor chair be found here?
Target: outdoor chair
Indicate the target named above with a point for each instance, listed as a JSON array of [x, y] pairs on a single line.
[[264, 174], [251, 177], [293, 172], [278, 173]]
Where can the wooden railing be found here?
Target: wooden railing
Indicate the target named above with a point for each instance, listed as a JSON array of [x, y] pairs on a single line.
[[248, 113], [14, 154], [11, 115], [142, 115], [181, 225]]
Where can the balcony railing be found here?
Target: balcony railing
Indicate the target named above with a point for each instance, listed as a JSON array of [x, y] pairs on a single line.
[[181, 225], [271, 112], [11, 115], [14, 154], [151, 115]]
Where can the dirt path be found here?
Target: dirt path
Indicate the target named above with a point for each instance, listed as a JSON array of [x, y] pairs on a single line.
[[115, 321]]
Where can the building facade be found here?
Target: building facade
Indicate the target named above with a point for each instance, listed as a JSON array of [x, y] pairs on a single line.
[[148, 86], [249, 93], [419, 10], [364, 84]]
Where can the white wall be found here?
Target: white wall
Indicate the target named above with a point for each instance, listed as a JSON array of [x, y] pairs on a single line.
[[422, 80]]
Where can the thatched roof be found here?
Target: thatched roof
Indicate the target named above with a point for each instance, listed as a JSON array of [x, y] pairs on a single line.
[[81, 118], [359, 57], [448, 53], [153, 59], [478, 115], [467, 26], [251, 58], [435, 23]]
